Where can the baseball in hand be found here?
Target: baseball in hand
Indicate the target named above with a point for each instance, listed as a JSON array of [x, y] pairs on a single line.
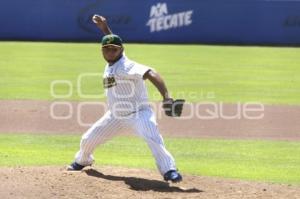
[[98, 19], [95, 18]]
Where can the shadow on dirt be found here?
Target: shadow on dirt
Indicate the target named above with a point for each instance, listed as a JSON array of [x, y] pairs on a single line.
[[141, 184]]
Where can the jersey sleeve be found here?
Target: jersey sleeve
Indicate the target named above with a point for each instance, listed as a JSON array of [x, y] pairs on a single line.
[[139, 70], [135, 70]]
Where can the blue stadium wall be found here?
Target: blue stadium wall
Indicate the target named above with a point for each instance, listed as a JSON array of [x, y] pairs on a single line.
[[167, 21]]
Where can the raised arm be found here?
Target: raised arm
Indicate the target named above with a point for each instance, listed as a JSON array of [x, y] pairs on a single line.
[[101, 23]]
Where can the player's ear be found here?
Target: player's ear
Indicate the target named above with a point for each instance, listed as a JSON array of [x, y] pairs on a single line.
[[122, 49]]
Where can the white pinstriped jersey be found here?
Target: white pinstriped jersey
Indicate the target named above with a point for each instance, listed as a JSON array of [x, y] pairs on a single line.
[[124, 86], [126, 95]]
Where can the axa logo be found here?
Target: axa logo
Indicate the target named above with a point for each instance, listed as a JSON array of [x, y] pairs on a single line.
[[160, 19]]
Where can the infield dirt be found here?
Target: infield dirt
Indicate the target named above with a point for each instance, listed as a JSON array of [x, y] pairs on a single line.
[[19, 116], [31, 116], [116, 182]]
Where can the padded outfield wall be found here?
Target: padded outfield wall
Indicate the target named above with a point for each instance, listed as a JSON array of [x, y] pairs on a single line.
[[167, 21]]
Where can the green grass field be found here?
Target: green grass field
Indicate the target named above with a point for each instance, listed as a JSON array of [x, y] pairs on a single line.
[[272, 161], [233, 74]]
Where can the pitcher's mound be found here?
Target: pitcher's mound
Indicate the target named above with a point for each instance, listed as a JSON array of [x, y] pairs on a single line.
[[115, 182]]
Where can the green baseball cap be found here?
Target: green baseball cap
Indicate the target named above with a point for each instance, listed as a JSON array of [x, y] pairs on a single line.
[[111, 40]]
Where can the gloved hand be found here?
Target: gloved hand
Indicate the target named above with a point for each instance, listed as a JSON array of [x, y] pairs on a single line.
[[173, 108]]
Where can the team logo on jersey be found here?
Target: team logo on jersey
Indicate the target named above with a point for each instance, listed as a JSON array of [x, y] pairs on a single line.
[[160, 19], [109, 82]]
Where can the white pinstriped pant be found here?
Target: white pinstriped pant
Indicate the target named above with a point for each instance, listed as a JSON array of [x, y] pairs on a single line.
[[144, 125]]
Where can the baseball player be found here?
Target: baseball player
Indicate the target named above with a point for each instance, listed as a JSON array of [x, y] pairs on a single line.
[[128, 106]]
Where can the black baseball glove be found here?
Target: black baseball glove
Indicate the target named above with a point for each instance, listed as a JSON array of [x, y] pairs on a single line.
[[173, 108]]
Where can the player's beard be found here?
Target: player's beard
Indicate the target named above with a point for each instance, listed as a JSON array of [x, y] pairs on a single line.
[[111, 61]]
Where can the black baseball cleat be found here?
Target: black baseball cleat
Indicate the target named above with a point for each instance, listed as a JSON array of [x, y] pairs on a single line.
[[173, 175], [75, 167]]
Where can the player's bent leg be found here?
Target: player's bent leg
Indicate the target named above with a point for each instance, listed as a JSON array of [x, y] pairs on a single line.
[[100, 132], [146, 126]]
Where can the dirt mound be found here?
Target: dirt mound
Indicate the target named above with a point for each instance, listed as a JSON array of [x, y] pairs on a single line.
[[115, 182]]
